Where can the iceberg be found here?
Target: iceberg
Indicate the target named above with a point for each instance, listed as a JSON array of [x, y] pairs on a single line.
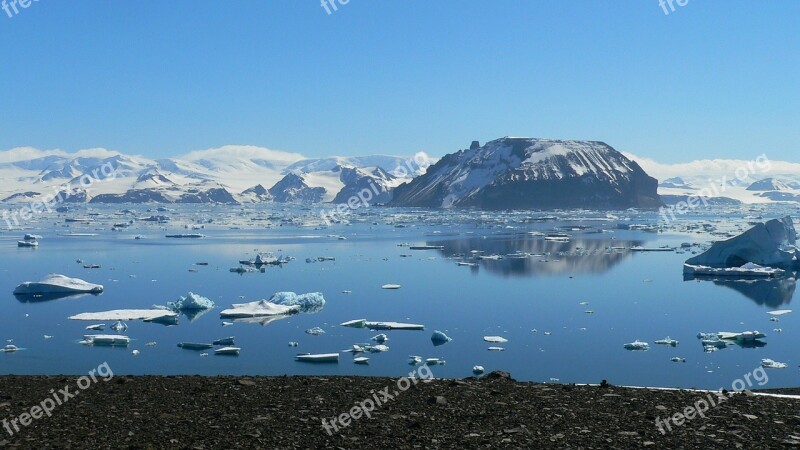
[[779, 312], [232, 351], [149, 315], [57, 284], [306, 303], [380, 338], [772, 364], [261, 308], [478, 370], [667, 341], [637, 345], [357, 323], [106, 339], [192, 302], [767, 244], [748, 270], [316, 331], [393, 326], [318, 358], [495, 339], [439, 338], [361, 360]]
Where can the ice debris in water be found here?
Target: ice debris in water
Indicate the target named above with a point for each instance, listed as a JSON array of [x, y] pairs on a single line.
[[771, 364], [192, 301], [439, 338], [307, 303], [316, 331]]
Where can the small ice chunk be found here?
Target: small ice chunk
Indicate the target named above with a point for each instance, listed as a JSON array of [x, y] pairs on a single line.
[[380, 338], [772, 364], [316, 331], [135, 353], [439, 338], [261, 308], [496, 349], [495, 339], [637, 345], [478, 370], [678, 359], [779, 312], [361, 360], [390, 286], [380, 348], [414, 360]]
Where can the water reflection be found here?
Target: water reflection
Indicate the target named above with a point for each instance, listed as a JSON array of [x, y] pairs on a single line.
[[525, 255], [38, 298], [771, 292]]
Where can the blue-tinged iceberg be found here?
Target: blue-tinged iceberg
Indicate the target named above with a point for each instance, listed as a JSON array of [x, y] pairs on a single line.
[[192, 302], [57, 284], [306, 303], [772, 244]]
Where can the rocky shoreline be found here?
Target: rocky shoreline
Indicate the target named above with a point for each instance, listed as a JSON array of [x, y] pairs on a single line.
[[287, 412]]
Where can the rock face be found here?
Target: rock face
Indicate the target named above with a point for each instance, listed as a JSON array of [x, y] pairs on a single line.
[[213, 195], [293, 188], [133, 196], [374, 187], [522, 173], [768, 244]]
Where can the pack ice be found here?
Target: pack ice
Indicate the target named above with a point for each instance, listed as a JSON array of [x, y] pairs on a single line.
[[767, 244], [57, 284]]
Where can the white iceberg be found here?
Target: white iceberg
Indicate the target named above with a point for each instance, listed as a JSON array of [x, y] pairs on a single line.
[[380, 348], [390, 286], [380, 338], [637, 345], [106, 339], [393, 326], [318, 358], [192, 302], [478, 370], [772, 364], [261, 308], [779, 312], [767, 244], [57, 284], [748, 270], [667, 341], [307, 303], [316, 331], [357, 323], [149, 315], [495, 339]]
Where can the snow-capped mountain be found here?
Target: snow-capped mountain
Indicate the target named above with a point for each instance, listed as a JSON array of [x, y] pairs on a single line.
[[230, 174], [532, 173], [769, 184]]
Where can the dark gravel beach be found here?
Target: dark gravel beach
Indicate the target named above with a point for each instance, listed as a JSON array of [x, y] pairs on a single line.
[[287, 412]]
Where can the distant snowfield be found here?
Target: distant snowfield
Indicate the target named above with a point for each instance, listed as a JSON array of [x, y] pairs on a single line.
[[234, 168]]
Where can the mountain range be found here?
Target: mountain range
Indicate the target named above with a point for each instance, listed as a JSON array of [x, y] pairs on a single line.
[[504, 173]]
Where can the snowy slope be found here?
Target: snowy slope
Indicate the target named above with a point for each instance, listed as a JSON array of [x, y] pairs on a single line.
[[530, 173]]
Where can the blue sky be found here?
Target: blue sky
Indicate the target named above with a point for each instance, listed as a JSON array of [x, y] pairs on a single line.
[[161, 78]]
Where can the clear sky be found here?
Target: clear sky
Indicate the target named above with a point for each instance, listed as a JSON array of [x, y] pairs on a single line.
[[161, 78]]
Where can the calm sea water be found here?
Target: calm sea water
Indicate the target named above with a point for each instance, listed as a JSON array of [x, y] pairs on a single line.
[[534, 302]]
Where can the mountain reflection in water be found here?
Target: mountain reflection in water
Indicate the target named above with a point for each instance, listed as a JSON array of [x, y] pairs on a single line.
[[525, 255]]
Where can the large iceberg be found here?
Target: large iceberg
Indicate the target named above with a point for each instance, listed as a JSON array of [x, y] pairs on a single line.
[[191, 302], [57, 284], [307, 303], [767, 244], [148, 315]]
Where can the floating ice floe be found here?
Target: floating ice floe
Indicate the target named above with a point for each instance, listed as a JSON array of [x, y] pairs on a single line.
[[393, 326], [380, 348], [747, 270], [439, 338], [192, 302], [96, 327], [261, 308], [228, 341], [316, 331], [57, 284], [135, 353], [10, 348], [651, 249], [119, 326], [32, 237], [495, 339], [185, 236], [767, 244], [496, 349], [779, 312], [230, 351], [637, 345], [147, 315], [361, 360], [772, 364], [667, 341], [380, 338], [306, 303], [28, 244], [478, 370], [678, 359], [390, 286], [106, 339], [318, 358], [435, 362], [414, 360], [194, 346]]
